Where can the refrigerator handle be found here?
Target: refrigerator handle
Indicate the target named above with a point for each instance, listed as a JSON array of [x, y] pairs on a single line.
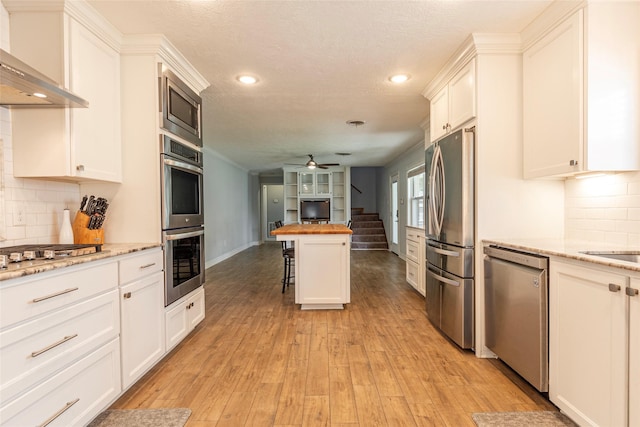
[[444, 252], [443, 279], [439, 187]]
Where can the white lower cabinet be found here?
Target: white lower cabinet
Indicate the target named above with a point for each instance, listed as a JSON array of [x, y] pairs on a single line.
[[593, 344], [183, 316], [634, 352], [72, 397], [416, 259], [141, 314]]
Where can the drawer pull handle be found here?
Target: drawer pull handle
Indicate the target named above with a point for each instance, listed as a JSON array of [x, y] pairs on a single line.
[[127, 295], [54, 345], [142, 267], [614, 288], [60, 412], [46, 297], [632, 292]]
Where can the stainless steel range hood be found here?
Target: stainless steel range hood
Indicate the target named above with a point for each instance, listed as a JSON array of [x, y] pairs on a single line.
[[23, 87]]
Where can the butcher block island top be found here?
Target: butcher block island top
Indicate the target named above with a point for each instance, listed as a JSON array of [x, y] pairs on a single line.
[[312, 229], [322, 264]]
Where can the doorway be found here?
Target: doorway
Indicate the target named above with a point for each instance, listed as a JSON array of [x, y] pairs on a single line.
[[393, 215], [272, 209]]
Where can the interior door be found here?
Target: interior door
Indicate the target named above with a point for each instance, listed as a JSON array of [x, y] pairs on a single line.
[[394, 214]]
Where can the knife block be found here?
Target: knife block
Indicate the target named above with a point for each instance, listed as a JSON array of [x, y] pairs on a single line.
[[81, 232]]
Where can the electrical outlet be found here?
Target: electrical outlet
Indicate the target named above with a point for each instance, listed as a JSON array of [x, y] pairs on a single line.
[[19, 216]]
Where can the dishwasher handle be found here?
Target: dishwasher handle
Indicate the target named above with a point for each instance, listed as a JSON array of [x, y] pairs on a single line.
[[517, 257]]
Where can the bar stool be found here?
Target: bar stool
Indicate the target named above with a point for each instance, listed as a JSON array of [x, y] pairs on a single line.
[[288, 255]]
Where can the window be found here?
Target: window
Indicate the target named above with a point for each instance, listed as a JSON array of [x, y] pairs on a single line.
[[415, 185]]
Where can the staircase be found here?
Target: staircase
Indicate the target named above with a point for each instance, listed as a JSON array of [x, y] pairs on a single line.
[[368, 231]]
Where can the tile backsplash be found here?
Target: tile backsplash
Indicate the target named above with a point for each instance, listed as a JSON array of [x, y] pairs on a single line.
[[604, 209], [30, 209]]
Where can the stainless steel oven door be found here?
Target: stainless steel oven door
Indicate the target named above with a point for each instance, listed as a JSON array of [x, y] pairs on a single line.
[[182, 204], [184, 262]]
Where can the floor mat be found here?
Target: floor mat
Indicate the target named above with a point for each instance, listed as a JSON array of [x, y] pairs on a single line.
[[518, 419], [174, 417]]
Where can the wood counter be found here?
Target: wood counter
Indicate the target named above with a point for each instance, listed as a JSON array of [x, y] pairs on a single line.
[[322, 264], [311, 229]]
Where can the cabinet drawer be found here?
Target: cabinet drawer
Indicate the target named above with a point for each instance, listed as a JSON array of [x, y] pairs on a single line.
[[137, 266], [38, 348], [92, 383], [413, 251], [413, 236], [22, 298], [412, 274]]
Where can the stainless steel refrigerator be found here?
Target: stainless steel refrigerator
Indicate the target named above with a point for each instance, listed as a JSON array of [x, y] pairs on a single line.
[[450, 231]]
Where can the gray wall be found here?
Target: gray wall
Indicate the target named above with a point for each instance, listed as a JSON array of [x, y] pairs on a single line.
[[365, 180], [401, 165], [275, 206], [232, 213]]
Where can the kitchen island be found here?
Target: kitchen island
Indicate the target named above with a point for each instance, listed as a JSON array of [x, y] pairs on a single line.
[[322, 264]]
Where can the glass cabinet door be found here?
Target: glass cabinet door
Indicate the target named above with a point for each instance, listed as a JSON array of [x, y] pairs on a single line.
[[306, 186], [323, 183]]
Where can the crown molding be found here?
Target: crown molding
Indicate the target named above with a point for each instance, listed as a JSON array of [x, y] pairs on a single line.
[[158, 44], [476, 44]]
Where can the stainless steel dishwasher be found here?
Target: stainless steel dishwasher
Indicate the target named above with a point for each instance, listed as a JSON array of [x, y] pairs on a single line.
[[516, 311]]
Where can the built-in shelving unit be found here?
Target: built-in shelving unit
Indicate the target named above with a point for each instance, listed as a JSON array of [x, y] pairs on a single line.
[[329, 184]]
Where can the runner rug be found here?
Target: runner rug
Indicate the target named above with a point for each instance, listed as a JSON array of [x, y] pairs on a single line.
[[174, 417], [519, 419]]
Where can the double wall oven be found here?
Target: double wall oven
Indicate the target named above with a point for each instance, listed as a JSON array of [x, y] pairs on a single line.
[[182, 217]]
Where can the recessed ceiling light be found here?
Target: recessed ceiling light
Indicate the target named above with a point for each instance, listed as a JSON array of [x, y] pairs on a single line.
[[399, 78], [247, 79], [39, 95]]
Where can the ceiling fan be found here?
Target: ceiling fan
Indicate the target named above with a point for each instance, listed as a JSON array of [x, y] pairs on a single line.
[[312, 164]]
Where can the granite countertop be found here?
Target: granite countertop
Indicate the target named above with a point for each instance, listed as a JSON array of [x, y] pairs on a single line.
[[108, 251], [571, 249], [312, 229]]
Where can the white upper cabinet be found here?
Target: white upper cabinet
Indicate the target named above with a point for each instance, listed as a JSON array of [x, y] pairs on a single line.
[[314, 184], [455, 103], [81, 54], [581, 91]]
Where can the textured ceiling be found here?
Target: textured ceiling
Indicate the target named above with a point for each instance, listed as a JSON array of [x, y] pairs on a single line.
[[320, 63]]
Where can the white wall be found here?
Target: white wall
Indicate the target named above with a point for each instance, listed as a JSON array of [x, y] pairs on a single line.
[[30, 209], [401, 165], [232, 214], [604, 209]]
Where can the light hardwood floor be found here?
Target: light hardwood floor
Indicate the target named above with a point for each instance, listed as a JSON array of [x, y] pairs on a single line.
[[258, 360]]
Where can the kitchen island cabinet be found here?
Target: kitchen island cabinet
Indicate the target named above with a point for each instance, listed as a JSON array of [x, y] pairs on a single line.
[[322, 264], [82, 54], [579, 115]]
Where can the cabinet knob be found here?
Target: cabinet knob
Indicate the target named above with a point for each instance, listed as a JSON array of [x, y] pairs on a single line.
[[80, 168], [444, 127], [573, 163], [614, 288], [632, 292], [127, 295]]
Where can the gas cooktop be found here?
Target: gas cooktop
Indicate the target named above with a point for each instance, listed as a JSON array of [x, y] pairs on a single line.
[[15, 257]]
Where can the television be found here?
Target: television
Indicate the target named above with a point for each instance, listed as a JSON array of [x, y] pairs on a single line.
[[315, 210]]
